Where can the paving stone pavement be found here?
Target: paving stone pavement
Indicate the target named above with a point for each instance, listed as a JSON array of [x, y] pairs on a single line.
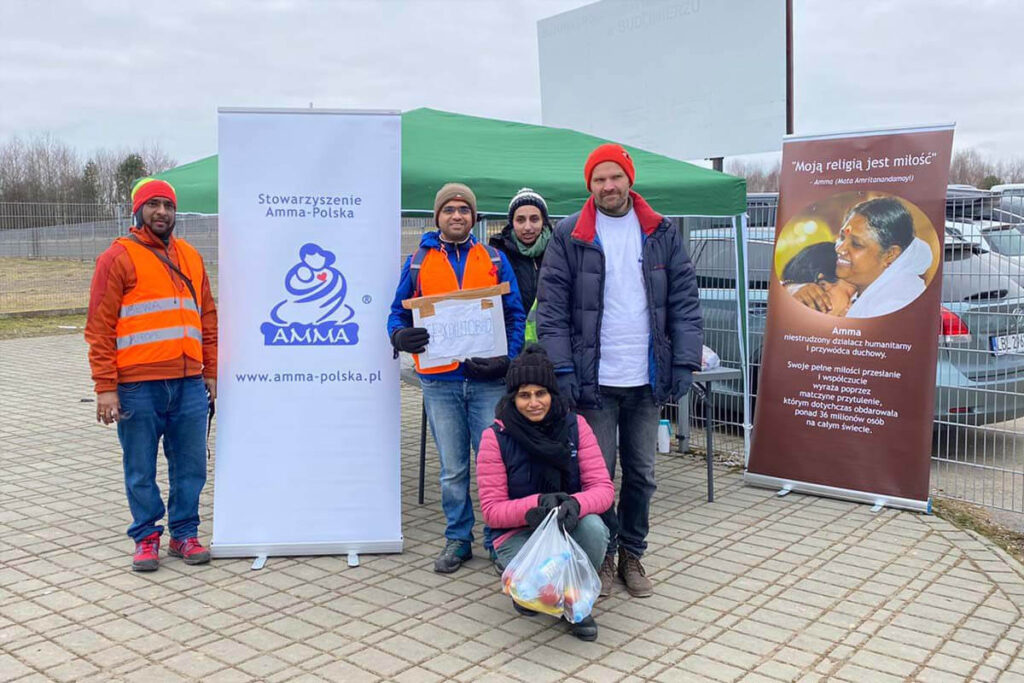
[[752, 587]]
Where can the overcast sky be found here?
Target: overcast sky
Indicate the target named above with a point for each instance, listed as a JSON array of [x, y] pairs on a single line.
[[113, 74]]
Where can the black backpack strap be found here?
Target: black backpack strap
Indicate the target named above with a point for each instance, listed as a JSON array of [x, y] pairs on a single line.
[[493, 253], [415, 264]]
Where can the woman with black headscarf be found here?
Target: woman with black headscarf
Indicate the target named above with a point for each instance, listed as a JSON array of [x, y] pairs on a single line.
[[536, 457]]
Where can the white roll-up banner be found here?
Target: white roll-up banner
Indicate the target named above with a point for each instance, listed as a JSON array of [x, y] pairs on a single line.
[[308, 397]]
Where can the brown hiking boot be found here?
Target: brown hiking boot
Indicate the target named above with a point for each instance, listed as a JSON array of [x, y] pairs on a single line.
[[607, 575], [634, 576]]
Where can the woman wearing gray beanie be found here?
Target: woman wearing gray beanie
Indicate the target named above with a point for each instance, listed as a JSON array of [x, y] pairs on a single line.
[[523, 241]]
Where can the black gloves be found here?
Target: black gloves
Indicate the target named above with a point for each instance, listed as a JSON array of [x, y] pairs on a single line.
[[569, 515], [568, 387], [485, 368], [545, 504], [549, 501], [410, 339], [682, 378]]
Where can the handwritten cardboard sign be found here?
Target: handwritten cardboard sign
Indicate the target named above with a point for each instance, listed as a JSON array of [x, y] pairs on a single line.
[[462, 324]]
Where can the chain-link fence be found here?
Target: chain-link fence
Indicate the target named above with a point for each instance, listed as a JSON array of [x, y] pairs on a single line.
[[978, 445], [979, 409], [48, 268]]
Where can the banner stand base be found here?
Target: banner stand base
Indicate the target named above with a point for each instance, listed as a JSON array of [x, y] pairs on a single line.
[[264, 550], [784, 486], [259, 563]]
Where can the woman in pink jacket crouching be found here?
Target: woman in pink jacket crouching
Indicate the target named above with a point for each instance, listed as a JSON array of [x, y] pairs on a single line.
[[537, 456]]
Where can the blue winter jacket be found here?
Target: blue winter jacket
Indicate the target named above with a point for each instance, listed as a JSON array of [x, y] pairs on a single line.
[[570, 303], [515, 317]]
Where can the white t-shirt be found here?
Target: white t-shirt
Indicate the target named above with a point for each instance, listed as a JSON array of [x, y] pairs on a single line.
[[625, 326]]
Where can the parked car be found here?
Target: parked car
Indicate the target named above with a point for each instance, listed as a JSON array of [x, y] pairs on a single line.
[[980, 367], [1010, 198], [979, 218], [1008, 190]]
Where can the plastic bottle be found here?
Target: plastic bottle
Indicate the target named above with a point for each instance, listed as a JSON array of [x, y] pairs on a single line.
[[664, 436]]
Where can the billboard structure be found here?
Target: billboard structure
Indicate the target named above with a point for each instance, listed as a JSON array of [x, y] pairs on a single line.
[[690, 79]]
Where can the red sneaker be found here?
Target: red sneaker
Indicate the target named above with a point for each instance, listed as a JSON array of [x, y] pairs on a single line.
[[190, 550], [147, 553]]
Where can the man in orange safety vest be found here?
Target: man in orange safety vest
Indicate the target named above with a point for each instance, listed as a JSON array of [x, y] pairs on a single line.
[[152, 334], [459, 397]]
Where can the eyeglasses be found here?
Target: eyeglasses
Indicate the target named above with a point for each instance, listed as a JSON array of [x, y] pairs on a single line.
[[461, 210]]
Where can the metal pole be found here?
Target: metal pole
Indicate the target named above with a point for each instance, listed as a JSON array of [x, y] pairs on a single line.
[[789, 67], [423, 450], [709, 441]]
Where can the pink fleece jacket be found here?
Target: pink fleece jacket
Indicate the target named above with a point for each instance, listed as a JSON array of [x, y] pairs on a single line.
[[500, 512]]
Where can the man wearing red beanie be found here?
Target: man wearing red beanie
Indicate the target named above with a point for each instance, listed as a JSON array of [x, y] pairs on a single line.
[[152, 334], [619, 316]]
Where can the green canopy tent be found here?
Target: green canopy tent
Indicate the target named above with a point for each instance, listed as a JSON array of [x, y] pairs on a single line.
[[496, 158]]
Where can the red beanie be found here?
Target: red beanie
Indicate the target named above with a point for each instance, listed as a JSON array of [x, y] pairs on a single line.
[[147, 188], [609, 152]]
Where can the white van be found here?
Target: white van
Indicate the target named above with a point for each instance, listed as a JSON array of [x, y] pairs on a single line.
[[1009, 189]]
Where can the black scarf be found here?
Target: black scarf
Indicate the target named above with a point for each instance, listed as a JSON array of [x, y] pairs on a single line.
[[546, 442]]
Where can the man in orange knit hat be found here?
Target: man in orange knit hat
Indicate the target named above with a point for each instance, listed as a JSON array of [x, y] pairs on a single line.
[[619, 315], [152, 334]]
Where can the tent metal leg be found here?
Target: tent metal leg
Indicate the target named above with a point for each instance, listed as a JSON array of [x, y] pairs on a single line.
[[423, 448]]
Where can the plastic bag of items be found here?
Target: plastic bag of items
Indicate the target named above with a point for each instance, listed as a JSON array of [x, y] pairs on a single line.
[[552, 574]]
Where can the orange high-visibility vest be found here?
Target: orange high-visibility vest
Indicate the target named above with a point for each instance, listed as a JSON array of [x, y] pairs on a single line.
[[158, 320], [436, 276]]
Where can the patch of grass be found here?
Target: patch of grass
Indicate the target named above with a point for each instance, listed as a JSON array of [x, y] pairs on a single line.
[[977, 519], [41, 284], [28, 285], [41, 326]]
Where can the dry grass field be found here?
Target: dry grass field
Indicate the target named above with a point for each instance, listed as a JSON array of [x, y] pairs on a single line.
[[41, 325], [51, 285], [41, 285]]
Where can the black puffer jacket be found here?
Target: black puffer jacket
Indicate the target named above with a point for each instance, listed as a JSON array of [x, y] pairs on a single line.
[[527, 269], [570, 303]]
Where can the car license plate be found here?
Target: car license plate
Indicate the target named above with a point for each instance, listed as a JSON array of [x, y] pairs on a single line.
[[1007, 343]]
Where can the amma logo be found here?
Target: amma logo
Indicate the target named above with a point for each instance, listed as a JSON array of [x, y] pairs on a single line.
[[314, 312]]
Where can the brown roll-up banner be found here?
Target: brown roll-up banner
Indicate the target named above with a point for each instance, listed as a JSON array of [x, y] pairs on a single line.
[[847, 383]]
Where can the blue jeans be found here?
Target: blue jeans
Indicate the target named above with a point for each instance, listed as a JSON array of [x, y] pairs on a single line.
[[458, 412], [176, 410], [591, 533], [633, 412]]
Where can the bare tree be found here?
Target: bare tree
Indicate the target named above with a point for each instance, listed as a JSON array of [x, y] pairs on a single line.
[[43, 169], [155, 158], [969, 167], [106, 166], [760, 177]]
